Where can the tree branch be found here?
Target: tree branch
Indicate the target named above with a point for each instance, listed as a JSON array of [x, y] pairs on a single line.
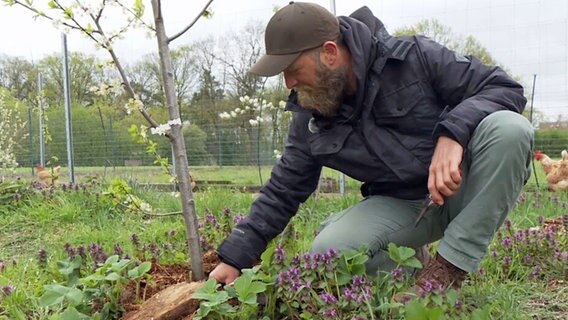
[[177, 35], [43, 15], [127, 9]]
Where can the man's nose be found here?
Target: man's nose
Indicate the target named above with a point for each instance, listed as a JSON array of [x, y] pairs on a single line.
[[290, 82]]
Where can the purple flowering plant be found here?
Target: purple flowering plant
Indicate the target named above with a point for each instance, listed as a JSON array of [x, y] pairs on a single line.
[[534, 253]]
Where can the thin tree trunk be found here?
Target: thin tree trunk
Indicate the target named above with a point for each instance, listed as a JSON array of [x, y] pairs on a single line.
[[177, 140]]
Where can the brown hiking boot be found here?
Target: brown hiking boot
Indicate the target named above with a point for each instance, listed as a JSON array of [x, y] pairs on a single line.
[[437, 276]]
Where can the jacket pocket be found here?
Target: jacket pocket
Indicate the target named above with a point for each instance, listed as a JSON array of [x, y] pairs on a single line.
[[397, 102], [329, 141]]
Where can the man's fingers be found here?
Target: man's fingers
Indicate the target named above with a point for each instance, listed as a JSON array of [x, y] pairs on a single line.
[[436, 196]]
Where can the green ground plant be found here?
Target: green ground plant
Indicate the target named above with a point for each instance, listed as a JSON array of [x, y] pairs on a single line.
[[67, 251]]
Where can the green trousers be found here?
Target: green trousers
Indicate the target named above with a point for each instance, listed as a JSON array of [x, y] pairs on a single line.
[[494, 169]]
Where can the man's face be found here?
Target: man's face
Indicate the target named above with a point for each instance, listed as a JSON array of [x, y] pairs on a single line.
[[319, 88]]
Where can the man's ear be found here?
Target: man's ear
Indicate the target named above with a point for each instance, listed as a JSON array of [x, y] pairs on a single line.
[[330, 53]]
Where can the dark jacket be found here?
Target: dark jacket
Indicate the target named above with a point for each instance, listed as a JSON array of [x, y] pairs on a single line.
[[410, 91]]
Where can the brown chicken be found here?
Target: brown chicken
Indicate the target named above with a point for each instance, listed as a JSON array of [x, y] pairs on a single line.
[[556, 170], [47, 176], [192, 181]]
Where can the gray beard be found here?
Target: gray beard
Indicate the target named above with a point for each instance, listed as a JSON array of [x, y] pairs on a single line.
[[327, 94]]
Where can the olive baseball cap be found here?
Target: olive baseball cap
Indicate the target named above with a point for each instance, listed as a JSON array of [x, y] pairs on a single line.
[[297, 27]]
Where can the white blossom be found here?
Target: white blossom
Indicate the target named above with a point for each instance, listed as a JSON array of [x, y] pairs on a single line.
[[160, 130], [233, 114], [146, 207], [175, 122], [253, 122], [224, 115]]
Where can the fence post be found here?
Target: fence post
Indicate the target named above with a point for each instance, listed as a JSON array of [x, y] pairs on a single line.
[[67, 96], [112, 143], [40, 109], [30, 129]]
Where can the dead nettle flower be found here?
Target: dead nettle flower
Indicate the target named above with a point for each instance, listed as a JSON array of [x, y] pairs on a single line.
[[117, 250], [507, 224], [70, 250], [17, 197], [134, 239], [330, 313], [458, 305], [205, 245], [7, 290], [42, 256], [226, 211], [507, 242], [97, 253], [398, 274], [328, 298], [279, 254], [170, 233], [238, 218], [535, 272], [152, 248], [81, 252], [211, 220], [507, 261]]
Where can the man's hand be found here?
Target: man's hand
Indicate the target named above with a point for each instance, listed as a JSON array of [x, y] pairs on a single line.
[[444, 177], [224, 273]]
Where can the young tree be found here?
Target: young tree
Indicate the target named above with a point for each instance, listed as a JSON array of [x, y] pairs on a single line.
[[11, 126], [86, 17]]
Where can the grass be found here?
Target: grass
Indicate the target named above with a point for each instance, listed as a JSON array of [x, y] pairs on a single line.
[[86, 216], [236, 175]]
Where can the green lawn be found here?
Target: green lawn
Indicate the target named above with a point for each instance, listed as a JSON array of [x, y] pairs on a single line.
[[87, 216]]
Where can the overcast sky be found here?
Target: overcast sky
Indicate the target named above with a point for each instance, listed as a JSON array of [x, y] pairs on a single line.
[[526, 36]]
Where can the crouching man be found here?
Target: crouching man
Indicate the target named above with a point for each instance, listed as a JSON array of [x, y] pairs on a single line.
[[407, 117]]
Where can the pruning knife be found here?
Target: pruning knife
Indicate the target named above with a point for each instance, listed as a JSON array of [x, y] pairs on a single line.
[[428, 203]]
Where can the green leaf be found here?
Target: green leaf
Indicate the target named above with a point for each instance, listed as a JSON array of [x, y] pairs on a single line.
[[406, 253], [242, 283], [113, 276], [144, 267], [52, 5], [72, 314], [138, 8], [414, 310], [51, 298], [112, 259], [393, 253], [75, 296], [120, 265], [413, 262]]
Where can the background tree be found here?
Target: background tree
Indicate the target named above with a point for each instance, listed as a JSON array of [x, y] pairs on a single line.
[[11, 127], [239, 53], [444, 35], [84, 73], [19, 76]]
